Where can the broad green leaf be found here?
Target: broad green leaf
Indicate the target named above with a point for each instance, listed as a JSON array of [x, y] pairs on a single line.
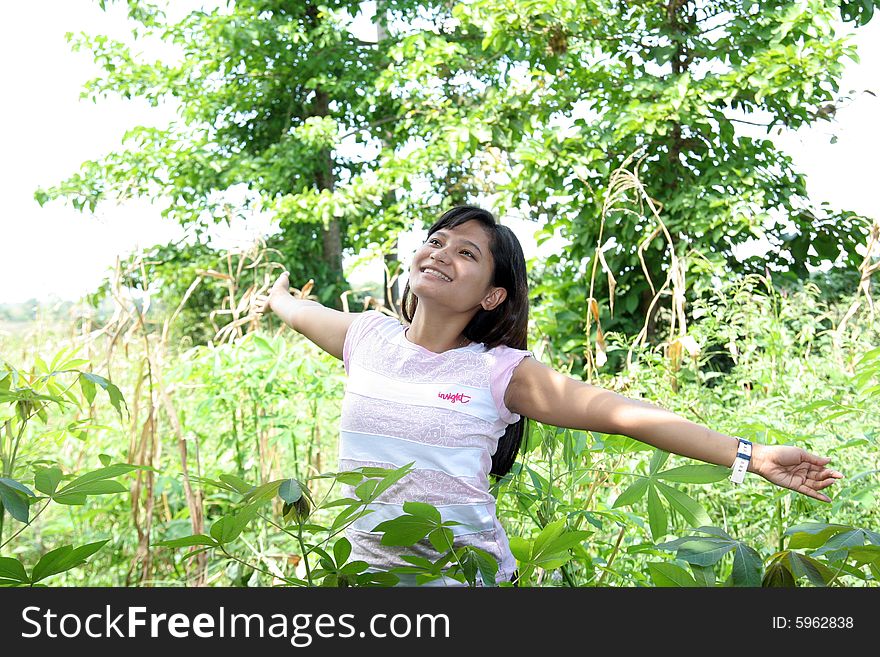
[[97, 475], [88, 388], [802, 565], [12, 483], [632, 494], [64, 558], [836, 546], [422, 510], [83, 490], [656, 515], [14, 501], [354, 567], [812, 534], [667, 574], [341, 551], [226, 529], [366, 490], [521, 548], [566, 541], [657, 460], [690, 509], [441, 538], [349, 515], [263, 492], [404, 530], [238, 484], [116, 398], [547, 535], [704, 552], [865, 554], [12, 569], [187, 541], [778, 575], [290, 491], [747, 566], [392, 478], [473, 560], [350, 478], [703, 575]]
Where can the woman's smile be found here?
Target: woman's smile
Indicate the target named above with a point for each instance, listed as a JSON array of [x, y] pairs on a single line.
[[434, 273]]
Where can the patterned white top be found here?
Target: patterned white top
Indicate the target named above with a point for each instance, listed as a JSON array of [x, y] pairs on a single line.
[[445, 412]]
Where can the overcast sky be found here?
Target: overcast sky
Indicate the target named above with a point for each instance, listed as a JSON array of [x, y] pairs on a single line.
[[47, 132]]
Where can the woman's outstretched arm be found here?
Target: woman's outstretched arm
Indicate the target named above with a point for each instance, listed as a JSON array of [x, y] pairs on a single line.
[[543, 394]]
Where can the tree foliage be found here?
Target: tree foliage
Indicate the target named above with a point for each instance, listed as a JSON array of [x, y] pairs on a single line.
[[531, 104]]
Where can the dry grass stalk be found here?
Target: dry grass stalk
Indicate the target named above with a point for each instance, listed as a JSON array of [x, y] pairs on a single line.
[[621, 183]]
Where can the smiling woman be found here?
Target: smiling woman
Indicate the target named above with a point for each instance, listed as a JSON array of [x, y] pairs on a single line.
[[451, 393]]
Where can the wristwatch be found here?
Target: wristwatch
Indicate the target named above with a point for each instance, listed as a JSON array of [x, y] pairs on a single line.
[[741, 464]]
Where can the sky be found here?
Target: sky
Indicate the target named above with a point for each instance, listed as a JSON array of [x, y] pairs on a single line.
[[47, 132]]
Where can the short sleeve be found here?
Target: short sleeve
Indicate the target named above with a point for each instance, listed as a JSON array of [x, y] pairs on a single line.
[[506, 360], [360, 327]]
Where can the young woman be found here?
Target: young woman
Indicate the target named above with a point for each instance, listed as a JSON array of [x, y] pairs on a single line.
[[451, 391]]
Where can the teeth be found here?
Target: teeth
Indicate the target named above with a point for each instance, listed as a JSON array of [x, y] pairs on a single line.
[[428, 270]]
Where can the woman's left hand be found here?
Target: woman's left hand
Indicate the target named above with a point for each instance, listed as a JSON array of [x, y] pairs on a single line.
[[794, 468]]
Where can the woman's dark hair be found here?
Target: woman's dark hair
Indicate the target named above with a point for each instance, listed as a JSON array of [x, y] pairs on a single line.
[[507, 323]]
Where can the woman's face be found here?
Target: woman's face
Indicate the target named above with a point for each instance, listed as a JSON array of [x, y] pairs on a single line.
[[462, 258]]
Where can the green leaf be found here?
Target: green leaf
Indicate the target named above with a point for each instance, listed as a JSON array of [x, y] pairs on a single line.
[[550, 532], [667, 574], [87, 387], [703, 575], [350, 478], [700, 551], [187, 541], [236, 483], [803, 566], [12, 570], [404, 530], [64, 558], [747, 566], [226, 529], [695, 474], [813, 534], [690, 509], [354, 567], [290, 491], [105, 487], [521, 548], [46, 480], [392, 478], [422, 510], [656, 515], [263, 492], [473, 560], [366, 490], [12, 483], [657, 460], [109, 472], [441, 538], [778, 575], [341, 551], [116, 398], [105, 459], [632, 494], [14, 501]]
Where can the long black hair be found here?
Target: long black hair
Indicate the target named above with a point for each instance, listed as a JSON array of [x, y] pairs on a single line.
[[507, 323]]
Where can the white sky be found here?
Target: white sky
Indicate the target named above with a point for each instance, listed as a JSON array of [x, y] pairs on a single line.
[[47, 132]]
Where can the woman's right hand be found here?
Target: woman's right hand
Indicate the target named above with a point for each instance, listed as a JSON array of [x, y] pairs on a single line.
[[263, 302]]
